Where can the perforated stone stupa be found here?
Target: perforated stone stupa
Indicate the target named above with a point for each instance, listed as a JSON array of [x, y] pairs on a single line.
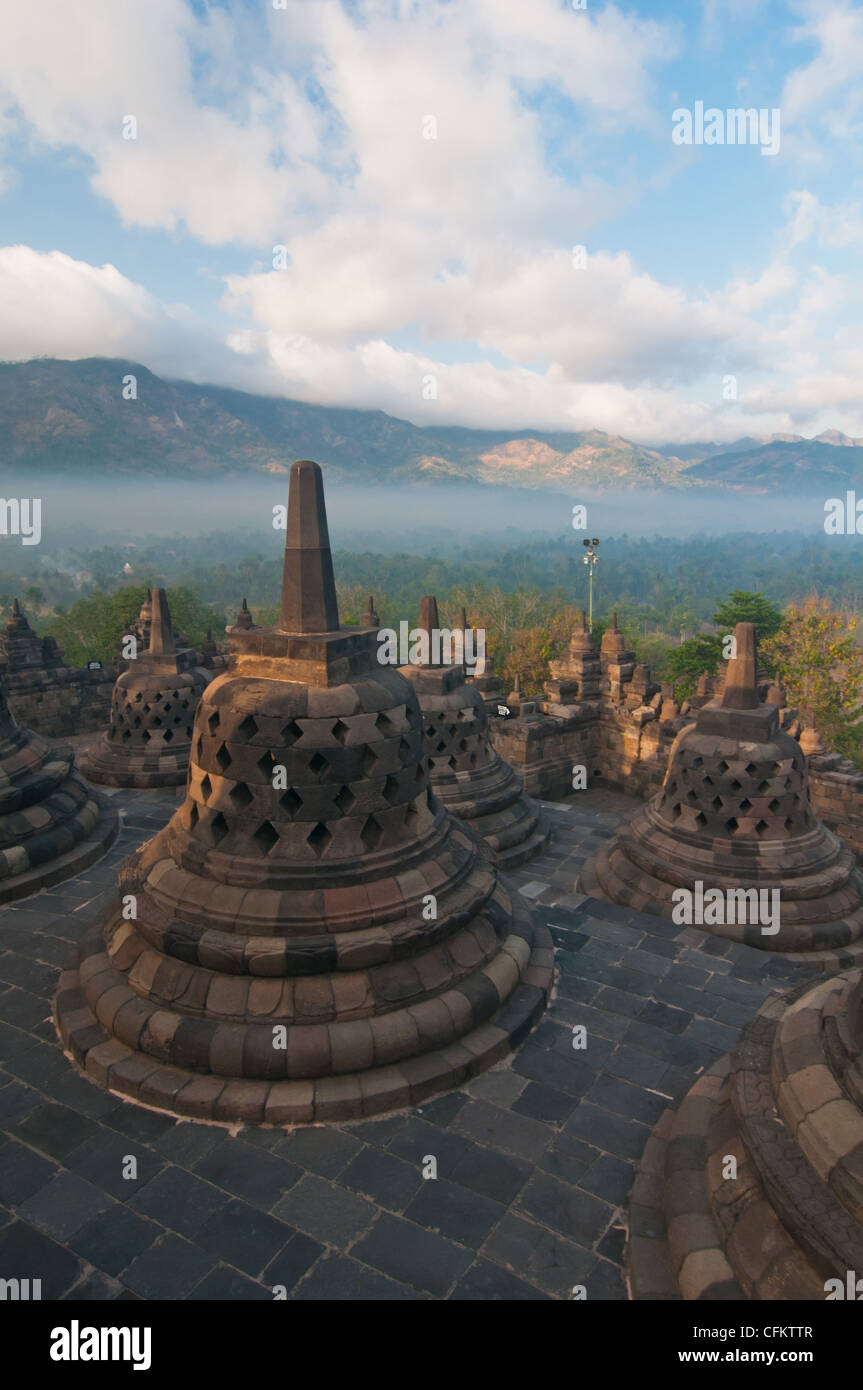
[[148, 740], [734, 814], [51, 824], [467, 775], [786, 1221], [312, 936]]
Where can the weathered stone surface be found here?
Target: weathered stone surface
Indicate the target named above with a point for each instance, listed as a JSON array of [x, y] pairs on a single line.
[[316, 931]]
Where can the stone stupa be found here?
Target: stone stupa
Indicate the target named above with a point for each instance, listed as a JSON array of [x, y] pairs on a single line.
[[467, 775], [312, 936], [51, 824], [734, 814], [753, 1188], [148, 739]]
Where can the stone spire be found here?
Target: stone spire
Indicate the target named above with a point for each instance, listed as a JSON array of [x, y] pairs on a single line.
[[370, 617], [161, 631], [290, 895], [244, 618], [308, 585], [741, 689]]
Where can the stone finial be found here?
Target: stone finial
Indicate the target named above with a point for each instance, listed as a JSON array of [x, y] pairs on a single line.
[[244, 617], [810, 742], [429, 622], [462, 619], [581, 641], [370, 617], [703, 687], [612, 639], [161, 631], [741, 690], [308, 585], [776, 695]]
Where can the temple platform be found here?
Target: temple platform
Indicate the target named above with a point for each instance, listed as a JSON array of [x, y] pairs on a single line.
[[535, 1158]]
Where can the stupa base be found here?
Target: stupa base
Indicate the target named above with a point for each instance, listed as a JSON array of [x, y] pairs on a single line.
[[95, 841], [829, 945], [113, 1066], [785, 1107], [108, 767]]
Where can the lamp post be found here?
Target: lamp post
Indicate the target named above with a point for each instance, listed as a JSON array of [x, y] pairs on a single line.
[[590, 560]]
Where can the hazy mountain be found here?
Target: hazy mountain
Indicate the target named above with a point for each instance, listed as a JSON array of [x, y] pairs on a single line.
[[68, 417]]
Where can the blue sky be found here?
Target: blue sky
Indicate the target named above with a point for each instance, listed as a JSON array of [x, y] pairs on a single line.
[[433, 277]]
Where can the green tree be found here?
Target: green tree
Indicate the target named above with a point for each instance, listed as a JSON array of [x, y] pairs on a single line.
[[818, 660], [741, 606], [685, 664]]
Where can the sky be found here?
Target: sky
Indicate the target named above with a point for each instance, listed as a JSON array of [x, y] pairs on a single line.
[[380, 204]]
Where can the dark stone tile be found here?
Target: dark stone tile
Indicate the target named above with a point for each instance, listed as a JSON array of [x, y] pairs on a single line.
[[22, 1172], [632, 1102], [486, 1282], [637, 1067], [609, 1178], [296, 1256], [659, 1015], [613, 1245], [443, 1110], [338, 1278], [495, 1175], [63, 1205], [168, 1269], [226, 1285], [461, 1215], [95, 1287], [542, 1103], [540, 1256], [501, 1129], [243, 1236], [325, 1211], [605, 1282], [114, 1238], [613, 1133], [36, 1256], [181, 1201], [259, 1177], [144, 1125], [576, 1214], [319, 1150], [418, 1140], [383, 1178], [413, 1256]]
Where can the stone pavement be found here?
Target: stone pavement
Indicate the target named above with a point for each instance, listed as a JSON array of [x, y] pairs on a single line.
[[535, 1158]]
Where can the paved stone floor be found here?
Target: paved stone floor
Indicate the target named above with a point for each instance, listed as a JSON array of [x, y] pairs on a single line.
[[535, 1159]]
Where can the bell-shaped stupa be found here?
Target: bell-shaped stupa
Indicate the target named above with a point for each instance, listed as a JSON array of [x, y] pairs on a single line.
[[312, 936], [753, 1188], [51, 824], [734, 815], [148, 740], [467, 775]]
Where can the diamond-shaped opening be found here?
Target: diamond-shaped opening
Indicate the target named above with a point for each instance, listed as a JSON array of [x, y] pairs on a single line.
[[291, 802], [745, 805], [404, 749], [193, 816], [265, 837], [167, 708], [199, 749], [139, 697], [213, 722], [290, 733], [371, 834], [450, 762], [146, 735], [266, 762], [692, 798], [723, 766], [750, 769], [168, 735], [716, 803], [411, 816], [440, 747], [774, 805], [206, 788], [787, 783], [317, 763], [698, 762], [708, 781], [223, 757], [391, 790], [249, 727], [472, 759], [761, 827], [731, 824], [345, 800], [241, 796], [788, 823], [340, 731], [319, 838], [177, 719], [764, 787], [218, 828], [126, 735], [157, 723], [136, 722], [736, 786], [676, 811], [146, 709], [462, 746], [701, 820], [385, 725], [370, 762]]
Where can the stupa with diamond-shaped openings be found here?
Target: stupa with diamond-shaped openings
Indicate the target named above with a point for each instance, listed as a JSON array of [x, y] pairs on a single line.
[[312, 936], [734, 814], [148, 739]]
